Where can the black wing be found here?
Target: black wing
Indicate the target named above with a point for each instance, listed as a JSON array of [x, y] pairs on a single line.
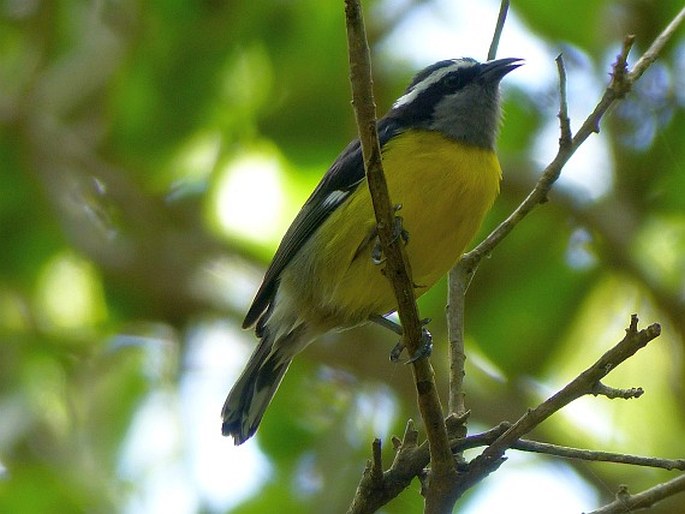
[[341, 179]]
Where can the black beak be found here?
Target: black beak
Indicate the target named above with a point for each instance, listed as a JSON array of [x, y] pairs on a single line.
[[494, 71]]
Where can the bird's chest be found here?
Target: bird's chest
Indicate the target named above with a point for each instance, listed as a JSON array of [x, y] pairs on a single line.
[[445, 189]]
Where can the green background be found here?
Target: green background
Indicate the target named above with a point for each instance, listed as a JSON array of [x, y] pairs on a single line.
[[121, 123]]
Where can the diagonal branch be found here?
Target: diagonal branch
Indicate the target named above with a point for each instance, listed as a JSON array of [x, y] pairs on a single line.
[[626, 502], [621, 83], [583, 384], [461, 275], [499, 27]]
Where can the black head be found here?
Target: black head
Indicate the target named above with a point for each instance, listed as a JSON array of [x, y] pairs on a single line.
[[457, 97]]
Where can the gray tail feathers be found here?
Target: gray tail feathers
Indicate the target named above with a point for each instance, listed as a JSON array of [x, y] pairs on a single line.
[[257, 385]]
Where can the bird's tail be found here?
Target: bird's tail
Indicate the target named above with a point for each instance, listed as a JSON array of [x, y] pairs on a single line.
[[252, 393]]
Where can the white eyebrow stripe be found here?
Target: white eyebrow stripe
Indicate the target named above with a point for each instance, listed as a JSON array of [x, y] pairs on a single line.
[[431, 79], [334, 198]]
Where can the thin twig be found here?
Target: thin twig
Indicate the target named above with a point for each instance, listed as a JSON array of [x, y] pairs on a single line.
[[370, 491], [621, 83], [613, 393], [568, 452], [566, 136], [377, 464], [375, 490], [458, 282], [656, 47], [501, 18], [471, 260]]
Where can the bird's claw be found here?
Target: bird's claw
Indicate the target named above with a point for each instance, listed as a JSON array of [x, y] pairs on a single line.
[[396, 351], [398, 232], [424, 350]]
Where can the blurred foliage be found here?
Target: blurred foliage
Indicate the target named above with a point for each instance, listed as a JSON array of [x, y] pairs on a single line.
[[120, 122]]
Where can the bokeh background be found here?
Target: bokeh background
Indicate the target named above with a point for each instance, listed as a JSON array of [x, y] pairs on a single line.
[[153, 153]]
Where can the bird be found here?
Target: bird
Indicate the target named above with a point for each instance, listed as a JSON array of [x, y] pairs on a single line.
[[438, 151]]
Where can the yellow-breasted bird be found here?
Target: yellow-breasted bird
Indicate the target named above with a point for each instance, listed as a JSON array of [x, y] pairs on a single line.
[[437, 145]]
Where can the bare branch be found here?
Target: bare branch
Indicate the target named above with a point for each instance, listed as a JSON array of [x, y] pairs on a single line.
[[564, 122], [583, 384], [621, 83], [377, 466], [398, 270], [656, 47], [596, 455], [539, 193], [461, 275], [376, 489], [458, 281], [625, 502], [613, 393], [501, 18], [411, 459]]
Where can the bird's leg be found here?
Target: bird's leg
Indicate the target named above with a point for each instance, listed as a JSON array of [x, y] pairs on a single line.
[[426, 338], [398, 231], [387, 323]]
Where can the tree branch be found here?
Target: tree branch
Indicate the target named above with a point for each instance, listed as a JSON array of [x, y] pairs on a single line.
[[583, 384], [499, 27], [462, 274], [625, 502], [597, 456], [398, 271], [411, 459], [458, 281], [621, 83], [655, 48]]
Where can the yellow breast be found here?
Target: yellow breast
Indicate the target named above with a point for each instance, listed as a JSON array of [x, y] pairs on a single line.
[[444, 188]]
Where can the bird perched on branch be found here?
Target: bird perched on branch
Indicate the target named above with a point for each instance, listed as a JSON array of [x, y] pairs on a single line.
[[437, 144]]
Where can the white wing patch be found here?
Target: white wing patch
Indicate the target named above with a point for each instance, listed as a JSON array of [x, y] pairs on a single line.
[[334, 198]]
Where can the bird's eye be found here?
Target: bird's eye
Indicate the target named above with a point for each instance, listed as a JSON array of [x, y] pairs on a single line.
[[453, 81]]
